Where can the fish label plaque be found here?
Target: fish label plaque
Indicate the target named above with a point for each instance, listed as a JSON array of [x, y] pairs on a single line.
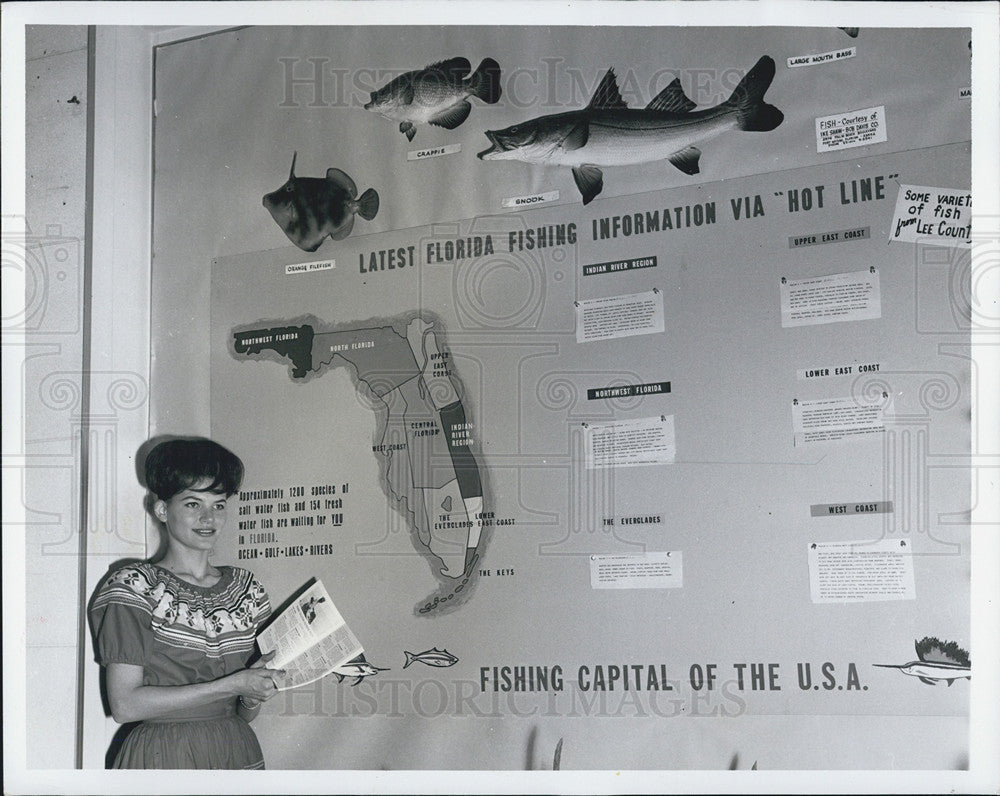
[[851, 129], [530, 201], [309, 268], [821, 58], [433, 152]]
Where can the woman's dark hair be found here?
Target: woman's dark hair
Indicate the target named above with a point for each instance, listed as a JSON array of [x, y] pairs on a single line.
[[178, 464]]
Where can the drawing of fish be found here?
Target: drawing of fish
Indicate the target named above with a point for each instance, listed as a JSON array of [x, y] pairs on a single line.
[[609, 133], [308, 209], [432, 657], [852, 32], [436, 95], [358, 667], [937, 661]]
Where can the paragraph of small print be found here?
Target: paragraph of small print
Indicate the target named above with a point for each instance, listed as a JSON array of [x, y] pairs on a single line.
[[637, 571], [836, 419], [630, 443], [836, 298], [619, 316], [852, 572]]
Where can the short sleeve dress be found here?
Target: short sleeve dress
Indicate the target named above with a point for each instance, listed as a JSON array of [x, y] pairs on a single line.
[[181, 633]]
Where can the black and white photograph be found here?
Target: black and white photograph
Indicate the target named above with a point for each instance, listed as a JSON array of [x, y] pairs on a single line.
[[588, 397]]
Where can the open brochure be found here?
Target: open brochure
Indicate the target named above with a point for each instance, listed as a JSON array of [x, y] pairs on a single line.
[[310, 639]]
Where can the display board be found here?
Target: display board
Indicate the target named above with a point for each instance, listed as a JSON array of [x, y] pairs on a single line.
[[625, 444]]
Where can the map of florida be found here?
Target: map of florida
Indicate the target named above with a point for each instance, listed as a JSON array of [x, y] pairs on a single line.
[[424, 439]]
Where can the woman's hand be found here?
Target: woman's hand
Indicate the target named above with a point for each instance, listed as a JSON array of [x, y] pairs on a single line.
[[130, 700], [256, 682]]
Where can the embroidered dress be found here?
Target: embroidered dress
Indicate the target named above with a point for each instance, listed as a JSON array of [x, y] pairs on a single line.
[[180, 634]]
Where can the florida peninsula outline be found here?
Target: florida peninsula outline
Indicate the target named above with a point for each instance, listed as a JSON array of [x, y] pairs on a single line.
[[425, 437]]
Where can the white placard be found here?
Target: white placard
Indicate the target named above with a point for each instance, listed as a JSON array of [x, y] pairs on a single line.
[[433, 152], [941, 214], [855, 572], [309, 268], [637, 571], [835, 419], [619, 316], [854, 296], [531, 200], [821, 58], [630, 443], [851, 129]]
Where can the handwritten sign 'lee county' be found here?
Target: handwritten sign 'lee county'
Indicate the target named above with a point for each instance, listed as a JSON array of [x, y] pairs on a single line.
[[941, 215]]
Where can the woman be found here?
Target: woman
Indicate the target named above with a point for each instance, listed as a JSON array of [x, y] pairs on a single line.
[[175, 636]]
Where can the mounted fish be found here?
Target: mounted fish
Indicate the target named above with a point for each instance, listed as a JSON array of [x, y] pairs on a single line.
[[437, 95], [308, 209], [609, 133]]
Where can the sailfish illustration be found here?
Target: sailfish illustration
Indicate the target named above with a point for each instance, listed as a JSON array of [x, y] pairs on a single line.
[[937, 661]]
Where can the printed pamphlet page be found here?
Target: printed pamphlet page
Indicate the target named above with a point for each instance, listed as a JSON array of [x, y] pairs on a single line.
[[309, 639]]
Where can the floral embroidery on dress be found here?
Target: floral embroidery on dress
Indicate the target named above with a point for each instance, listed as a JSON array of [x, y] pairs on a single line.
[[194, 617]]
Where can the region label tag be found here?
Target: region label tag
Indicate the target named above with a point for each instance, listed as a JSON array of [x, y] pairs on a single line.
[[530, 201], [822, 58], [965, 93], [308, 268], [433, 152], [628, 390], [829, 371], [834, 236], [941, 214], [851, 129], [844, 509], [619, 265], [637, 571]]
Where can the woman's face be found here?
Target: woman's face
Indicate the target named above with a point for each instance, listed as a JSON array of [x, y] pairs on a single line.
[[194, 517]]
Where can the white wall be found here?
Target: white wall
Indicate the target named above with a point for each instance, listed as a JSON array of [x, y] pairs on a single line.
[[86, 364], [56, 143]]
